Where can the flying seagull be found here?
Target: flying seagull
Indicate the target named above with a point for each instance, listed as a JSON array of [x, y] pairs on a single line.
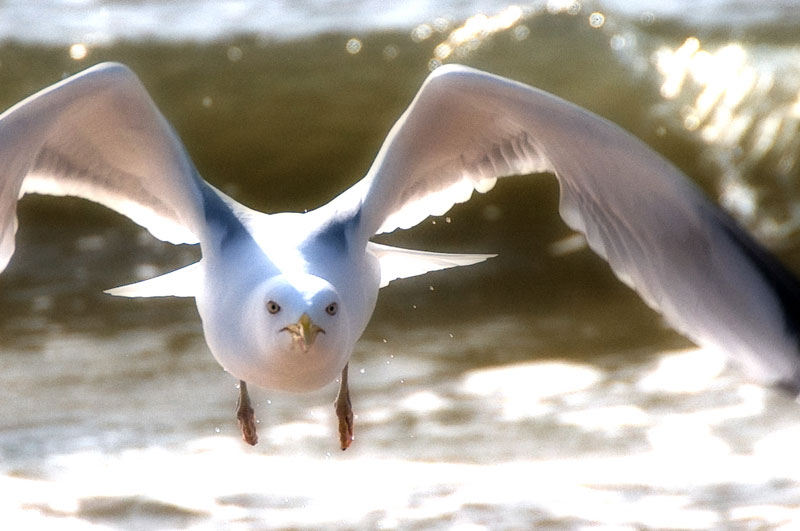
[[284, 297]]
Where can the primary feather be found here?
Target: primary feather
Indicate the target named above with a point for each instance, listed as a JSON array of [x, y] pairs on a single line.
[[99, 136], [685, 256]]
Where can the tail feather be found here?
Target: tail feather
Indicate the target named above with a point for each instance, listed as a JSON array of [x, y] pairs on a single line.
[[403, 263], [183, 282]]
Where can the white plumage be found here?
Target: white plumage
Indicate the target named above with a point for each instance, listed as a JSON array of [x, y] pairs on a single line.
[[284, 297]]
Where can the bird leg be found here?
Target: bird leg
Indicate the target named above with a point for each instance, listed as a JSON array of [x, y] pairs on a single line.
[[246, 416], [344, 411]]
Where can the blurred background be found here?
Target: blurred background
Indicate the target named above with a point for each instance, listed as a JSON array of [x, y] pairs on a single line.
[[531, 391]]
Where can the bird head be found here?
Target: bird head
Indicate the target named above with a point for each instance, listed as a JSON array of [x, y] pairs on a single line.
[[302, 337]]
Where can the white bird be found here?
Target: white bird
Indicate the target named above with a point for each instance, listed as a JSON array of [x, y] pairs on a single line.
[[284, 297]]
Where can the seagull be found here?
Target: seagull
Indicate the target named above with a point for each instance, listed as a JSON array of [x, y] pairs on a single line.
[[284, 297]]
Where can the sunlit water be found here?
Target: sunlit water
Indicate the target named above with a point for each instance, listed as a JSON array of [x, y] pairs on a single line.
[[532, 391]]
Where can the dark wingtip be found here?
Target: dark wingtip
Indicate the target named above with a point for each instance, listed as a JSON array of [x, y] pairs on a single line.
[[789, 387]]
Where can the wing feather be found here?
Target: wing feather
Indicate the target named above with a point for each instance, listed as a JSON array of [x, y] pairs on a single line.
[[686, 258], [99, 136]]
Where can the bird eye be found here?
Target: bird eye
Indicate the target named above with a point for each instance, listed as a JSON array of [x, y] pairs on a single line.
[[273, 307], [332, 308]]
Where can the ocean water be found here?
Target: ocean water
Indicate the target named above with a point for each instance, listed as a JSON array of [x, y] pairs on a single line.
[[531, 391]]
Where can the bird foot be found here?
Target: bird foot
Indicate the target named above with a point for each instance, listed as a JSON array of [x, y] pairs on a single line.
[[246, 416], [344, 412]]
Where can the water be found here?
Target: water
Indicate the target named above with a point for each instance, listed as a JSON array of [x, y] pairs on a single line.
[[531, 391]]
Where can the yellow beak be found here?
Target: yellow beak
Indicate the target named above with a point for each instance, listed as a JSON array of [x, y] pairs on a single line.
[[304, 332]]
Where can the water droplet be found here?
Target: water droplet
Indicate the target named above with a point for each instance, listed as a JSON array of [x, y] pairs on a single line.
[[362, 371], [691, 122], [597, 19], [234, 54], [617, 42], [78, 51], [431, 288], [433, 64], [421, 32], [413, 306], [207, 102], [385, 340], [441, 24], [353, 46], [442, 51], [216, 430], [447, 219], [451, 336], [521, 32], [433, 222], [390, 52], [269, 402], [402, 380]]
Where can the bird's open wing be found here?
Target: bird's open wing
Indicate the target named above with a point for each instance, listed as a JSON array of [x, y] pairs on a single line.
[[661, 236], [99, 136]]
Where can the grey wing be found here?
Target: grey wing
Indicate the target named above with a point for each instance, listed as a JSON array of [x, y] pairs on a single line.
[[99, 136], [682, 254]]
